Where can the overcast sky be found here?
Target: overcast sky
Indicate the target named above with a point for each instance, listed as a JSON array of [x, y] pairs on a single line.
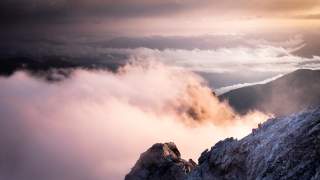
[[160, 17]]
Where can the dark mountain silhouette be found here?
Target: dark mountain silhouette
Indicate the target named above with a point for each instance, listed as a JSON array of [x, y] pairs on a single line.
[[9, 65], [291, 93], [281, 148], [53, 68]]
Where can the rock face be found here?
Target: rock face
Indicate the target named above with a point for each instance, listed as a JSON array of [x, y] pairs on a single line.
[[281, 148], [161, 162]]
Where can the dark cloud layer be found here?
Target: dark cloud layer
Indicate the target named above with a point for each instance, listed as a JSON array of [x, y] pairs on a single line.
[[75, 19], [72, 11]]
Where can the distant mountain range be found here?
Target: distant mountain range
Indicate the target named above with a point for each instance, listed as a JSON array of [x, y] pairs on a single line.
[[291, 93], [8, 65], [54, 68]]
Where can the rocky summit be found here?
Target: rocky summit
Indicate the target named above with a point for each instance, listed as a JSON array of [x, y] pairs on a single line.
[[161, 161], [281, 148]]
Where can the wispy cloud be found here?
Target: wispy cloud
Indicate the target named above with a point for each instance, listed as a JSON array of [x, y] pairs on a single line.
[[233, 54], [262, 59], [237, 86]]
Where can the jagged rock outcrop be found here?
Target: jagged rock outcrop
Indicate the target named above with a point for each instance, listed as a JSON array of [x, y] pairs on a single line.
[[161, 162], [281, 148]]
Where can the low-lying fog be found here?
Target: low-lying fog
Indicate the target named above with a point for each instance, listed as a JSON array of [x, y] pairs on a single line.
[[95, 124]]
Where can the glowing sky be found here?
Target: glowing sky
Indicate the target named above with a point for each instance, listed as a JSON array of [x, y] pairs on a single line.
[[161, 17]]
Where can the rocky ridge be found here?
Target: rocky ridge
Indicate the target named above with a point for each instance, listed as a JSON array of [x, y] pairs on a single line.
[[281, 148]]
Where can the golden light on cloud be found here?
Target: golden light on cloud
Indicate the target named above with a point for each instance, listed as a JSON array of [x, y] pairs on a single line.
[[98, 122]]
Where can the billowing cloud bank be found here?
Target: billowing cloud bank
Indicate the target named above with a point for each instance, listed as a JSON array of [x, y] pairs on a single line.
[[94, 125]]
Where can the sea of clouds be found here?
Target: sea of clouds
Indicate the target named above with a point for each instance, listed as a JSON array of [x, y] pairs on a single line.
[[94, 124]]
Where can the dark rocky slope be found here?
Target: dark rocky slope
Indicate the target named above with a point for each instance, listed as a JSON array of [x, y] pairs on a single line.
[[281, 148], [291, 93], [161, 161]]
